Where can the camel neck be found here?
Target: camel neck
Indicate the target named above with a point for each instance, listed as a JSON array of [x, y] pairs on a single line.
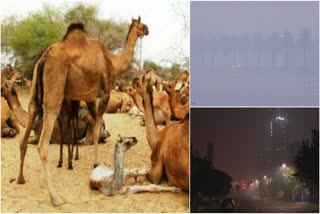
[[16, 108], [122, 61], [118, 169], [138, 101], [151, 129]]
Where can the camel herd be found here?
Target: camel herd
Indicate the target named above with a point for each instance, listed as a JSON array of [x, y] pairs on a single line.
[[69, 111]]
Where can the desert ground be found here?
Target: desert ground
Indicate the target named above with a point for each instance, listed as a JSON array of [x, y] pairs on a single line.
[[72, 185]]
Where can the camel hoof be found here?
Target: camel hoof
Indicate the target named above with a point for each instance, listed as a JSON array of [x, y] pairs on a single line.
[[59, 165], [57, 201], [77, 158], [70, 167], [21, 180]]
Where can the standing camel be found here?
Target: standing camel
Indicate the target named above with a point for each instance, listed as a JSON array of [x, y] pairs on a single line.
[[83, 69], [169, 146]]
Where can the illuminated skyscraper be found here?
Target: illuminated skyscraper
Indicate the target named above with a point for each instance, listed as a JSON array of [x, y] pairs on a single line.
[[278, 147]]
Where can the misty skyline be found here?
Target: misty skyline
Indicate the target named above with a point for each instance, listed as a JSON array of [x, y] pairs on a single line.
[[255, 53]]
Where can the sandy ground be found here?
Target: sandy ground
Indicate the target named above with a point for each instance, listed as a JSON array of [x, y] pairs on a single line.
[[73, 185]]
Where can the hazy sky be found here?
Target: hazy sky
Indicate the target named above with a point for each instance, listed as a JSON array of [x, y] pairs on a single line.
[[164, 24], [213, 19], [237, 134]]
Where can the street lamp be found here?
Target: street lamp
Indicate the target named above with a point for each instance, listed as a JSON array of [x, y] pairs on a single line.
[[264, 177], [284, 166]]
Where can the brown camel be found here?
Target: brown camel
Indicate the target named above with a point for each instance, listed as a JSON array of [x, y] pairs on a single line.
[[162, 111], [84, 124], [155, 80], [9, 124], [9, 121], [119, 100], [111, 182], [182, 86], [179, 111], [170, 146], [83, 69]]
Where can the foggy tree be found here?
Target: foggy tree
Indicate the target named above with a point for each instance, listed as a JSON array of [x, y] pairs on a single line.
[[306, 163], [288, 45], [244, 48], [304, 42], [292, 182], [272, 47], [258, 47]]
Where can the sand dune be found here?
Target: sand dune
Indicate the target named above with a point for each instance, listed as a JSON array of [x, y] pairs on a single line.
[[73, 184]]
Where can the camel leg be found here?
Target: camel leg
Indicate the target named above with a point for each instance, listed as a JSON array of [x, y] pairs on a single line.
[[156, 172], [129, 173], [97, 127], [24, 142], [149, 188], [15, 124], [49, 119], [70, 147], [77, 137], [61, 155]]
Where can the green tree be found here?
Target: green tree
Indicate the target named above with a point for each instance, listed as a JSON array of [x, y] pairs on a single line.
[[111, 32], [306, 163], [292, 182], [27, 38], [148, 64]]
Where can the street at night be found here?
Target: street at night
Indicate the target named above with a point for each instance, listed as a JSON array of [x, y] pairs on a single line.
[[255, 160], [249, 201]]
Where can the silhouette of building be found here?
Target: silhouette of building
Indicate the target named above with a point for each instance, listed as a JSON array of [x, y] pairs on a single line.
[[210, 153]]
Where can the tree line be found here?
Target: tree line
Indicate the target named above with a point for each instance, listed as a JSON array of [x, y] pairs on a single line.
[[23, 40], [283, 51]]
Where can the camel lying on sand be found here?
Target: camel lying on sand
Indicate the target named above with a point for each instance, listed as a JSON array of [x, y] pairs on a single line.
[[83, 69], [179, 111], [111, 182], [119, 101], [170, 146], [161, 106]]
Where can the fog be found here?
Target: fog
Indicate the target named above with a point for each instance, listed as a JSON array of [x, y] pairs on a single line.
[[255, 53]]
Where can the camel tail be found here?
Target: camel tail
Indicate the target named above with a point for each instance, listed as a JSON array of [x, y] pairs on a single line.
[[39, 88]]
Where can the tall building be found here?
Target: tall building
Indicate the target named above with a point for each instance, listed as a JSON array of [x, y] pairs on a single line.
[[277, 149]]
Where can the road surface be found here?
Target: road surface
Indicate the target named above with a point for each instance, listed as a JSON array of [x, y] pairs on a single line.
[[248, 201]]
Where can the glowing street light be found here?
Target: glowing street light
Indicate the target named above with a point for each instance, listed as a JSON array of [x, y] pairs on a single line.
[[264, 177], [284, 166], [257, 182]]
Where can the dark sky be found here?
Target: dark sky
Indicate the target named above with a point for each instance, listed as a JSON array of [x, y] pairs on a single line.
[[218, 18], [237, 134]]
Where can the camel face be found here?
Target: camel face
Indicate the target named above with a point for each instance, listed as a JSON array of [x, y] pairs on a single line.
[[125, 143], [142, 29]]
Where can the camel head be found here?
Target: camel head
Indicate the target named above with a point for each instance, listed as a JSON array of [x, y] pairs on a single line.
[[125, 143], [7, 88], [140, 28]]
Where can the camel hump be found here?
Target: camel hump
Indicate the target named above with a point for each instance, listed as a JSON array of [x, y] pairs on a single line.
[[75, 26]]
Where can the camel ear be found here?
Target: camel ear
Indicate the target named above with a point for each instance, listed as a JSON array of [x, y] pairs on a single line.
[[120, 138], [139, 19]]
